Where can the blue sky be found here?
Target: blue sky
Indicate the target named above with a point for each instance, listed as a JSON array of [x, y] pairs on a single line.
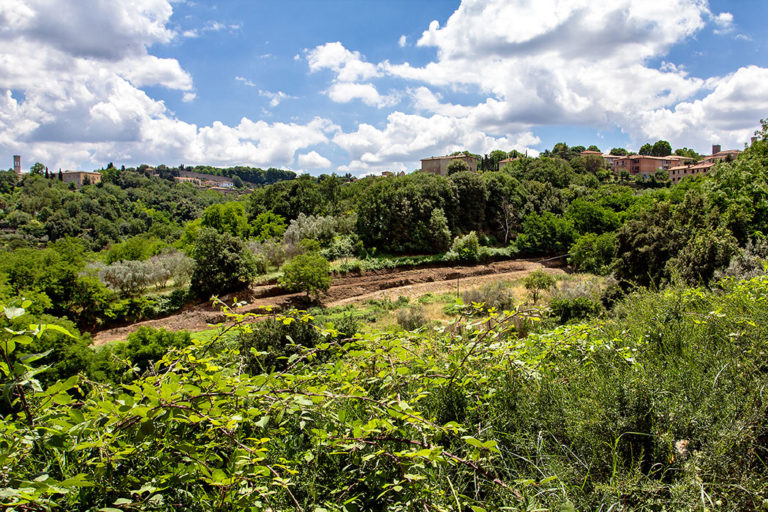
[[367, 86]]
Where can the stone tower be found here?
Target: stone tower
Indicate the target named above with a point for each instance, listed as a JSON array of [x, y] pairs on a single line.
[[17, 164]]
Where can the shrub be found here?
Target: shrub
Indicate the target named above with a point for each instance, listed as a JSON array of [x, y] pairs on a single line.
[[141, 350], [343, 246], [270, 343], [593, 253], [496, 294], [545, 234], [309, 273], [412, 318], [580, 308], [465, 248], [537, 282], [748, 263], [222, 264]]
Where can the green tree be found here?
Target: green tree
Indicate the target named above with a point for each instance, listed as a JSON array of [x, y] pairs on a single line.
[[268, 225], [309, 273], [545, 234], [456, 166], [661, 148], [37, 168], [619, 152], [690, 153], [593, 253], [589, 217], [438, 228], [227, 218], [537, 282], [472, 196], [645, 149], [222, 264]]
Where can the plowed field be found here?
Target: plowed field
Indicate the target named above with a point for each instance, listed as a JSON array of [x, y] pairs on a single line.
[[345, 289]]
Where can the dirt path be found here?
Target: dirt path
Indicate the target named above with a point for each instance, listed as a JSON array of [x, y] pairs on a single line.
[[347, 289]]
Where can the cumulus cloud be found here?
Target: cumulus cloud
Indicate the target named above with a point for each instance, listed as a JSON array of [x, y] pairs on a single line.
[[724, 22], [313, 160], [344, 92], [407, 138], [403, 41], [551, 62], [95, 110], [349, 66]]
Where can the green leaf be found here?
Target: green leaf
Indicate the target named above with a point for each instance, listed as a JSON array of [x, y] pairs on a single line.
[[79, 480]]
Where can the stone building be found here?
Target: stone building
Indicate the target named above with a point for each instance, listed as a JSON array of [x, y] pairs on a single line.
[[80, 178], [439, 164]]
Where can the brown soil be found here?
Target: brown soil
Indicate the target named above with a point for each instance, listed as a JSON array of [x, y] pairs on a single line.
[[346, 289]]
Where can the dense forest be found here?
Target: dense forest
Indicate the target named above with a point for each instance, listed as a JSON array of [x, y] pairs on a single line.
[[644, 393]]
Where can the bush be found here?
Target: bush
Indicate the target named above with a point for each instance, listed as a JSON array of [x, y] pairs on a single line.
[[309, 273], [593, 253], [465, 248], [222, 264], [496, 294], [537, 282], [268, 344], [125, 361], [545, 234], [580, 308], [343, 246], [412, 318]]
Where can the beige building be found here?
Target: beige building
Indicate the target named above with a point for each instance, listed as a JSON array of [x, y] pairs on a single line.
[[705, 166], [678, 173], [80, 178], [439, 164], [645, 165]]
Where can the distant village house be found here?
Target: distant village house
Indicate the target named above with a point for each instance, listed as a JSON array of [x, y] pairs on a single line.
[[439, 164], [80, 178]]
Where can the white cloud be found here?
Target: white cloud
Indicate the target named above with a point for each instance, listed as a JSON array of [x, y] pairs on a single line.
[[274, 97], [724, 22], [313, 160], [245, 81], [403, 41], [407, 138], [548, 62], [348, 66], [344, 92], [95, 112], [211, 26], [721, 117]]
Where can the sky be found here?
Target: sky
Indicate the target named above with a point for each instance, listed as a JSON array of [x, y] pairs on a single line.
[[364, 86]]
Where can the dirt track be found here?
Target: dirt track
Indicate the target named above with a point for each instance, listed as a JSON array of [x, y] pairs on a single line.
[[344, 290]]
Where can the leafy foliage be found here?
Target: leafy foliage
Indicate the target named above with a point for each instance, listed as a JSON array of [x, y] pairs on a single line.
[[308, 273], [222, 264], [538, 281], [633, 410]]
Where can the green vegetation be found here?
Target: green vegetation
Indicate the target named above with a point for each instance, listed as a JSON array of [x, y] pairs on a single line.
[[309, 273], [640, 389], [660, 403], [537, 282]]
